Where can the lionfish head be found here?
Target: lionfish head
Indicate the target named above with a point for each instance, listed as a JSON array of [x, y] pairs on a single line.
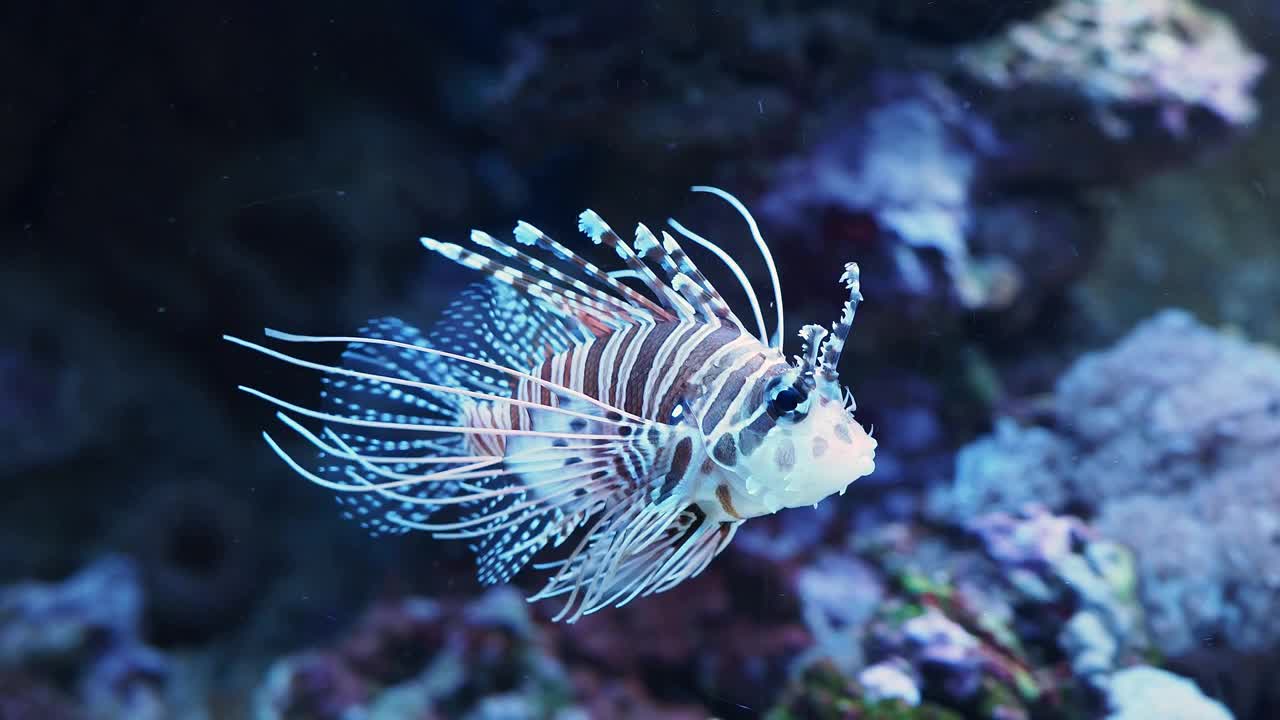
[[813, 447]]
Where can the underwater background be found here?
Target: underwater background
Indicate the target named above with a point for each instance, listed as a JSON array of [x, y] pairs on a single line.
[[1066, 216]]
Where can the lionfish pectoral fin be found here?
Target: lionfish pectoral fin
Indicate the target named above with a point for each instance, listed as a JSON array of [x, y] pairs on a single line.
[[572, 478], [642, 536], [636, 551]]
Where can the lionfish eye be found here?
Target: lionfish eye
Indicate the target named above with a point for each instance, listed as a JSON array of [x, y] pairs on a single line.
[[787, 402]]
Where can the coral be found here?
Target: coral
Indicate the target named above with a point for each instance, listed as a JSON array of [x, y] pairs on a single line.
[[915, 635], [1128, 421], [309, 685], [419, 657], [1062, 566], [888, 680], [1142, 692], [839, 595], [1170, 54], [1038, 541], [1209, 567], [1012, 466], [1035, 625], [128, 683], [1152, 74], [478, 659], [823, 693], [87, 628], [99, 606], [1143, 403], [898, 165], [940, 645], [897, 178], [1171, 441]]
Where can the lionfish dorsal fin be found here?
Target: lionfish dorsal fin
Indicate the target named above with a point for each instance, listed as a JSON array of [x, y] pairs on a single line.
[[833, 345], [563, 300], [599, 231], [683, 276], [589, 295], [527, 234]]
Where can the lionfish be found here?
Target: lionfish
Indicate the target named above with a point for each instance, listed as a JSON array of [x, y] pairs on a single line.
[[556, 405]]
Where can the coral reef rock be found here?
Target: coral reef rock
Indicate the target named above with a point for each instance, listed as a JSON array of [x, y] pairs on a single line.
[[1143, 692], [87, 628], [1151, 74], [1171, 442]]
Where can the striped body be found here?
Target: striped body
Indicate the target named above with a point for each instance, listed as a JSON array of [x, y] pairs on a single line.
[[659, 372]]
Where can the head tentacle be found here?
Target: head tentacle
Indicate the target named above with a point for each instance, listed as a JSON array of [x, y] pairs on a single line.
[[812, 336], [833, 346]]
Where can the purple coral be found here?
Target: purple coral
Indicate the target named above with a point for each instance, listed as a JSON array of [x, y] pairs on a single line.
[[1060, 566], [1037, 540]]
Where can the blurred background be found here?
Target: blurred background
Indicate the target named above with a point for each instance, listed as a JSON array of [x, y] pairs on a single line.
[[1065, 212]]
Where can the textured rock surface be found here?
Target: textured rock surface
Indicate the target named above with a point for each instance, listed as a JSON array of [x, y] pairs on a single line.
[[1172, 440]]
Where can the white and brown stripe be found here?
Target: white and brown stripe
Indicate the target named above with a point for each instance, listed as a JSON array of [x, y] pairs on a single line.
[[647, 370]]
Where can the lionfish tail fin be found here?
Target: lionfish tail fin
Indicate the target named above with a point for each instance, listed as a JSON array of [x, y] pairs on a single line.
[[386, 410], [395, 442]]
